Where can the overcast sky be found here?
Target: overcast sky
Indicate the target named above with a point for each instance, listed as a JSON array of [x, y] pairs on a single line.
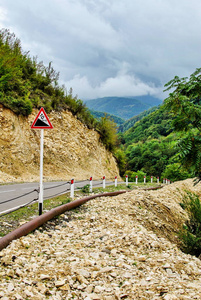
[[110, 47]]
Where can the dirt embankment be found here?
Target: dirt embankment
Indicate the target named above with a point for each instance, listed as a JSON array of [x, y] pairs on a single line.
[[71, 150]]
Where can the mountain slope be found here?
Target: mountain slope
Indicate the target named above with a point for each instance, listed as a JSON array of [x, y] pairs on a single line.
[[99, 114], [123, 107], [131, 122]]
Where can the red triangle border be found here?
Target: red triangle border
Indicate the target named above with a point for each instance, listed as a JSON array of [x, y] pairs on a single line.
[[41, 127]]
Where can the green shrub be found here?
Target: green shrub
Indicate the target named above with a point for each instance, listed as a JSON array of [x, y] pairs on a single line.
[[132, 175], [85, 189], [190, 234], [20, 106], [108, 132], [175, 172]]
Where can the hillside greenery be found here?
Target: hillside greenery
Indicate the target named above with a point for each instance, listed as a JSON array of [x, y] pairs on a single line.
[[164, 141], [167, 142], [185, 103], [131, 122], [26, 83], [115, 119], [190, 234]]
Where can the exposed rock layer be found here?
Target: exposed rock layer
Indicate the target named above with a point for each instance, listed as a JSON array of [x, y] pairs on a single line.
[[71, 150]]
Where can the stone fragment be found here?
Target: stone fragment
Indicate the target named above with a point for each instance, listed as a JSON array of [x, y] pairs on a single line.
[[65, 287], [44, 276], [10, 287], [98, 289], [170, 297], [84, 273], [109, 297], [81, 279], [94, 296], [89, 289], [59, 283]]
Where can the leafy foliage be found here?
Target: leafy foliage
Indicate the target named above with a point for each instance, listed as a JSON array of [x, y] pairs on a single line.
[[190, 235], [107, 129], [167, 142], [175, 172], [185, 103], [154, 125], [131, 122], [99, 114], [120, 156], [150, 146]]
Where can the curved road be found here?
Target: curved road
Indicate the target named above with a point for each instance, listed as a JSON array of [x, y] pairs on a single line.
[[15, 195]]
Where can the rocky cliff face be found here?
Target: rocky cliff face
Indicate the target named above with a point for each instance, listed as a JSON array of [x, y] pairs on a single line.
[[71, 150]]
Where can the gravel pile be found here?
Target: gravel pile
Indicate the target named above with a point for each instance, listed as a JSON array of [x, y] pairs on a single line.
[[124, 247]]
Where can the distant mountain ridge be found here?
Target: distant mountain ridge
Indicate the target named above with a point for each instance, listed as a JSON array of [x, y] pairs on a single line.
[[98, 114], [123, 107]]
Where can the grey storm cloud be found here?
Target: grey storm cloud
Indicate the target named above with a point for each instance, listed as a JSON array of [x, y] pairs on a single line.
[[109, 47]]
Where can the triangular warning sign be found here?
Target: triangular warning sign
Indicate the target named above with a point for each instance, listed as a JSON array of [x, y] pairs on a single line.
[[41, 121]]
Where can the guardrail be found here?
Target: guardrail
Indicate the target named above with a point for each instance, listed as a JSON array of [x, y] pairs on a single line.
[[71, 186]]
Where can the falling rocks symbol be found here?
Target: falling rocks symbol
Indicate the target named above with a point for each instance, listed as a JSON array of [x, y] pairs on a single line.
[[41, 121]]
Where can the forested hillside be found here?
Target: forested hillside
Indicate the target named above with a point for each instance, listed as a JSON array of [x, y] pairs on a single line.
[[150, 144], [167, 142], [131, 122], [99, 114]]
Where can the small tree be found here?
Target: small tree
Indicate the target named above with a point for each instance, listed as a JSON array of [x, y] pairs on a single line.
[[108, 132]]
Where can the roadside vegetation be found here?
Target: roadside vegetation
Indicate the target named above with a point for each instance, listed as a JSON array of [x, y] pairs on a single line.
[[190, 234]]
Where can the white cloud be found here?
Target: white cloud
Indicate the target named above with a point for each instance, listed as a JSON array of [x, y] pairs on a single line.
[[122, 85]]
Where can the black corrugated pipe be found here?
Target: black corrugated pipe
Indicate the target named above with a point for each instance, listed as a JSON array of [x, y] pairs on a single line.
[[40, 220]]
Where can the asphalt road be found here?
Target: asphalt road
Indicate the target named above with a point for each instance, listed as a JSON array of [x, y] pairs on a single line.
[[14, 195]]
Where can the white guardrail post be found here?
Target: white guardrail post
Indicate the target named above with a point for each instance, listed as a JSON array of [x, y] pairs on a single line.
[[72, 188], [104, 182], [144, 179], [115, 181], [157, 179], [126, 180], [136, 179], [90, 185], [151, 179]]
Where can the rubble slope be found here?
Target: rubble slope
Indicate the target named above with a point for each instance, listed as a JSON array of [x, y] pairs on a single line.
[[121, 247]]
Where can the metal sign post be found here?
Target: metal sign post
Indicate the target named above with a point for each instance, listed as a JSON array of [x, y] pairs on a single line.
[[41, 122], [40, 203]]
